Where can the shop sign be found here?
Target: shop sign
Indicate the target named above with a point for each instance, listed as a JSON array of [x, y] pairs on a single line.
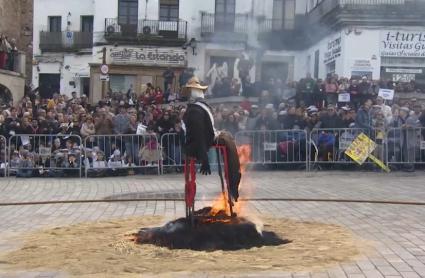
[[104, 77], [403, 77], [333, 51], [362, 65], [409, 44], [397, 70], [166, 57]]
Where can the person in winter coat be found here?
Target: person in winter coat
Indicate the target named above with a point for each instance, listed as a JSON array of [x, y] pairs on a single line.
[[88, 129], [408, 135], [363, 117]]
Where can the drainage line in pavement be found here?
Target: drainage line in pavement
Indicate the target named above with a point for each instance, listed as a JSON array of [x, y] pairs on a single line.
[[182, 200]]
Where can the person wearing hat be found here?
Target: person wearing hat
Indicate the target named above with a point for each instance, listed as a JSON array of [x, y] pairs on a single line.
[[201, 135]]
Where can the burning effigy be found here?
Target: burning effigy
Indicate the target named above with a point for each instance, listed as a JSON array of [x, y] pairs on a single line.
[[209, 233], [218, 227]]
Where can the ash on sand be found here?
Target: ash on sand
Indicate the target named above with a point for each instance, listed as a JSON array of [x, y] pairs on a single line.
[[106, 249], [209, 233]]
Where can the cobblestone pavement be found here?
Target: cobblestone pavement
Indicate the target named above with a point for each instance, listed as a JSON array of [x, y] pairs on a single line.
[[397, 231]]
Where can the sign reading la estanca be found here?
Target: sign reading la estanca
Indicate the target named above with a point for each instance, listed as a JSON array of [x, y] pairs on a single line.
[[166, 57]]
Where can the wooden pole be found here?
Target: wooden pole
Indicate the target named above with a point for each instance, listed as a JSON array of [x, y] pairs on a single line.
[[103, 63]]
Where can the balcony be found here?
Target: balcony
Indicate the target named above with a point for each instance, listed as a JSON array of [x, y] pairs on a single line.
[[233, 30], [283, 34], [155, 32], [65, 41], [339, 13]]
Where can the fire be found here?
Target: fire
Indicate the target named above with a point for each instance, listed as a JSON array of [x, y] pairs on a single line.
[[221, 204], [244, 152]]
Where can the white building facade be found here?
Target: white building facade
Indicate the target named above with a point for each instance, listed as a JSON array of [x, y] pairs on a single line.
[[253, 40]]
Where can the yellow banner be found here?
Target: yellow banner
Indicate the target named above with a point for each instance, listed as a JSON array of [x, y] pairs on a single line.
[[361, 148]]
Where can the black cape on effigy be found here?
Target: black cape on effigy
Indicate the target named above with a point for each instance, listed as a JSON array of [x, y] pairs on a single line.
[[234, 167], [200, 137]]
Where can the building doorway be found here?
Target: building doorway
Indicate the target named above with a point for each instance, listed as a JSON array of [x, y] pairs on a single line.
[[49, 84], [85, 86], [273, 70]]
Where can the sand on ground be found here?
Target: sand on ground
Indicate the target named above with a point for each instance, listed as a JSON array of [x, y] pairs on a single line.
[[104, 249]]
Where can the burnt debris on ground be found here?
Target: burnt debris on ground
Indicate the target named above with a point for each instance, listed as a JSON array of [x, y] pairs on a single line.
[[209, 233]]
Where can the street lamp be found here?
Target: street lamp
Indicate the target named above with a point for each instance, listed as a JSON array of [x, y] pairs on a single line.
[[193, 43]]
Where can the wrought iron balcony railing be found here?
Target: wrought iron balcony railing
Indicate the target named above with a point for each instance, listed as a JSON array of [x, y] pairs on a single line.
[[212, 23], [153, 29], [326, 6], [65, 41], [271, 25]]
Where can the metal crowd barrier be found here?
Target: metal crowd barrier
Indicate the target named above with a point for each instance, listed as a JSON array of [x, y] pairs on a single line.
[[44, 155], [405, 147], [107, 155], [59, 155], [276, 147], [328, 146], [3, 156], [173, 153], [174, 157]]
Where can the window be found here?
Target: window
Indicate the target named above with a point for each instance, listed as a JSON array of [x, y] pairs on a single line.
[[55, 24], [330, 68], [169, 10], [283, 14], [128, 12], [121, 83], [87, 24], [225, 15], [128, 16], [289, 16]]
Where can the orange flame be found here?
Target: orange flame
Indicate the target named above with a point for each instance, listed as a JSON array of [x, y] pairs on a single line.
[[221, 203]]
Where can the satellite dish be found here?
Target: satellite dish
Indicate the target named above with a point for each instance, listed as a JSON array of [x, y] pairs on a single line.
[[110, 29], [147, 30]]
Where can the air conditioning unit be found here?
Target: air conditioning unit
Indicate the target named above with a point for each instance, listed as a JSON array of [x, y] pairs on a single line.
[[147, 30], [110, 29]]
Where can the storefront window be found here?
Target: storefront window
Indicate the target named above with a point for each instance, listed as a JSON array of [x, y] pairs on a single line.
[[122, 83]]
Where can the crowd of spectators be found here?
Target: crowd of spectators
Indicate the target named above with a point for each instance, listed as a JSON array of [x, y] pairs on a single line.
[[119, 117], [8, 53]]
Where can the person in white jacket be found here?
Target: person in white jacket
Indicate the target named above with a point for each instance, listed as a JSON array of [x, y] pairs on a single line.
[[386, 110]]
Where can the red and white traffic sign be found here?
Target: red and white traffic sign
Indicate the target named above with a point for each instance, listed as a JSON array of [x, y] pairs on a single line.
[[104, 69]]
